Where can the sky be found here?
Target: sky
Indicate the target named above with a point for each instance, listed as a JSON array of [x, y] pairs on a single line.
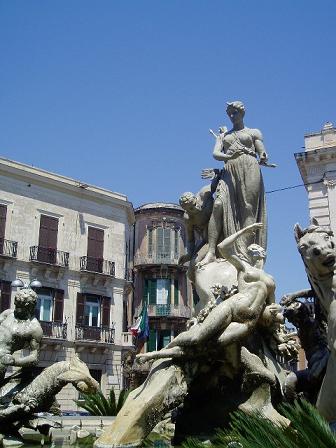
[[121, 94]]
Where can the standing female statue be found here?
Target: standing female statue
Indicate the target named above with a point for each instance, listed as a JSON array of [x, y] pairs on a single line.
[[240, 197]]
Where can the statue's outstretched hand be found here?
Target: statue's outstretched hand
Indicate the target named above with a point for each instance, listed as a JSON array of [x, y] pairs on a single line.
[[254, 227], [208, 173]]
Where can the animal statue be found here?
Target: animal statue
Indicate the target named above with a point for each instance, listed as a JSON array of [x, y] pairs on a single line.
[[317, 249], [18, 407], [313, 340]]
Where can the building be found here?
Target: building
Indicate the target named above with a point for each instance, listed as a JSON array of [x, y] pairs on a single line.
[[159, 241], [317, 165], [73, 238]]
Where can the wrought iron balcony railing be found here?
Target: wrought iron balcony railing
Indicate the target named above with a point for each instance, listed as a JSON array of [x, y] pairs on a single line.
[[91, 264], [8, 248], [167, 310], [156, 258], [49, 256], [98, 334], [54, 330]]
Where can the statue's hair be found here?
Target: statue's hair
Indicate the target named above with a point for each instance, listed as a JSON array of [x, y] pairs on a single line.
[[186, 198], [258, 248], [26, 295], [238, 105]]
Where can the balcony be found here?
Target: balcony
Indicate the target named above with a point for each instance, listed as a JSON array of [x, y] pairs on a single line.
[[54, 330], [155, 258], [95, 334], [8, 248], [126, 339], [167, 311], [49, 256], [97, 265]]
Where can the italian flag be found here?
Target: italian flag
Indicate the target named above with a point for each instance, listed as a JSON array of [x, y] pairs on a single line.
[[140, 329]]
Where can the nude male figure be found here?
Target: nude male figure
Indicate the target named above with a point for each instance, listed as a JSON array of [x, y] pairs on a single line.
[[19, 329], [198, 209]]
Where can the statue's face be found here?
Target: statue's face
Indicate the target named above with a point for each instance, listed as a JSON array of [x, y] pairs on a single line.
[[22, 309], [191, 205], [318, 251], [236, 116]]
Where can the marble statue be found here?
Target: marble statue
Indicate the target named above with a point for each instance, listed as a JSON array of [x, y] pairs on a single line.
[[234, 318], [240, 197], [19, 329], [313, 340], [317, 249], [227, 359], [22, 397]]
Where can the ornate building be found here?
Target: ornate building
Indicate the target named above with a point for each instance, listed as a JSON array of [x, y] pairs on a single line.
[[159, 237], [317, 165], [73, 238]]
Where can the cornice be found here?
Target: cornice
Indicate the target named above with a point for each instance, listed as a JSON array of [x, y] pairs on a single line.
[[66, 185]]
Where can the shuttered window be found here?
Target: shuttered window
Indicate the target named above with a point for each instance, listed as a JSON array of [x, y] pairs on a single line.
[[151, 344], [80, 309], [95, 249], [163, 339], [106, 306], [5, 299], [176, 292], [150, 242], [3, 214], [50, 305], [47, 239], [163, 242], [176, 243], [93, 310], [58, 305]]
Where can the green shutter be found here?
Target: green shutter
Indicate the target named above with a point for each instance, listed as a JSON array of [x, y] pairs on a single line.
[[166, 337], [152, 291], [150, 242], [145, 290], [159, 241], [166, 242], [176, 292], [169, 291], [151, 344]]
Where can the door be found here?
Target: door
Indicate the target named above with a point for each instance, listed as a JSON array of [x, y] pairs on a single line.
[[95, 250], [3, 214], [47, 247]]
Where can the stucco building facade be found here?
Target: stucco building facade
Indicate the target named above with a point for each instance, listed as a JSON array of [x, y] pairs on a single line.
[[74, 239], [317, 165]]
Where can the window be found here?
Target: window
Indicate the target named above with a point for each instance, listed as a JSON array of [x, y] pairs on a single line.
[[47, 247], [3, 214], [5, 296], [95, 249], [176, 243], [158, 339], [44, 306], [157, 291], [150, 242], [162, 291], [92, 312], [163, 242], [49, 305]]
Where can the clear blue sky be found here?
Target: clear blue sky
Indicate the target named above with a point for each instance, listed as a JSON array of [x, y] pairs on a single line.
[[121, 94]]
